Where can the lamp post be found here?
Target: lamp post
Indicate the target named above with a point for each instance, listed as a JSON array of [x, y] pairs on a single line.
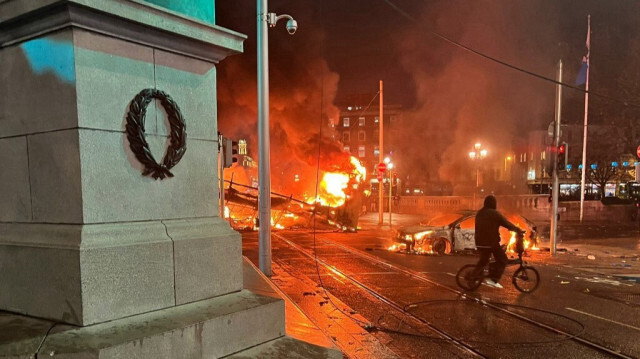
[[265, 20], [477, 154], [508, 158]]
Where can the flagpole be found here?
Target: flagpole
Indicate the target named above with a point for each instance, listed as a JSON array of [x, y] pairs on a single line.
[[586, 112]]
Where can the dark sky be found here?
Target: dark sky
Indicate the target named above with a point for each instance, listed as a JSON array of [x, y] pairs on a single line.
[[452, 98]]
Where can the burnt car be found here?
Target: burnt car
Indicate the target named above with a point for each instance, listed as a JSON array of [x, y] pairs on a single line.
[[454, 232]]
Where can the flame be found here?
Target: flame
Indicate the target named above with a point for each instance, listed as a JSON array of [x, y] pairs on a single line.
[[332, 188], [511, 246]]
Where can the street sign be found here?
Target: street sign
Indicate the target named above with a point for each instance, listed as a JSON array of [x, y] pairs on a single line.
[[382, 167], [638, 151], [552, 129]]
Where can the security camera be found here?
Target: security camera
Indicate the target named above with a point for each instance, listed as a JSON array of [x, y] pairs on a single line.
[[292, 26]]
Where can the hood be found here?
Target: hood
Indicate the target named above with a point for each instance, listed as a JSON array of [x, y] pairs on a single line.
[[490, 202], [418, 229]]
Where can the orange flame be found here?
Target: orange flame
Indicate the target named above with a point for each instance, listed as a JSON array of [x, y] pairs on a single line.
[[331, 189]]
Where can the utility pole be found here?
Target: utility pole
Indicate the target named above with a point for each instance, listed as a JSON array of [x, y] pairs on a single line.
[[264, 163], [381, 159], [556, 144]]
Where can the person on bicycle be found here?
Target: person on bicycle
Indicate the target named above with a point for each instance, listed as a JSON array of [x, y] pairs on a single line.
[[488, 223]]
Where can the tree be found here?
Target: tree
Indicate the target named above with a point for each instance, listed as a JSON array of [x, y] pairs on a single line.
[[608, 145]]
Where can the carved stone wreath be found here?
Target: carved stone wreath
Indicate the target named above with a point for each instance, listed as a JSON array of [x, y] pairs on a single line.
[[138, 143]]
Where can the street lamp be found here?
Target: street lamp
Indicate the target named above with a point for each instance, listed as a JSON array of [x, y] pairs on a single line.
[[508, 158], [478, 153], [265, 20]]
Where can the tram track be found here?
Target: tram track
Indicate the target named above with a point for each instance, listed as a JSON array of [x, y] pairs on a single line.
[[457, 342], [420, 277]]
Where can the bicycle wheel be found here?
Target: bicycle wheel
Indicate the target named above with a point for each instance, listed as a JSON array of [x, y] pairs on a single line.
[[466, 279], [526, 279]]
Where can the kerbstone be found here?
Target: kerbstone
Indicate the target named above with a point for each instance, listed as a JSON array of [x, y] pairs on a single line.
[[37, 86], [114, 190], [54, 167], [189, 82], [15, 197]]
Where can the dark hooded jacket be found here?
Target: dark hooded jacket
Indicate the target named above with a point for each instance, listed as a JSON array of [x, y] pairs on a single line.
[[488, 223]]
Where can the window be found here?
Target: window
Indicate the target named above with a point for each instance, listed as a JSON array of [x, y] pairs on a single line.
[[525, 157], [376, 151], [376, 134], [521, 158], [361, 121], [376, 119], [543, 155], [362, 136], [345, 122], [361, 151], [346, 137], [347, 149]]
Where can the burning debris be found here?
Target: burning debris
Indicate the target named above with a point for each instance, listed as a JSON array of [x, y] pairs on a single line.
[[338, 203]]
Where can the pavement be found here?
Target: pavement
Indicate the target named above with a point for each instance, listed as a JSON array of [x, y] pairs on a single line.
[[317, 316]]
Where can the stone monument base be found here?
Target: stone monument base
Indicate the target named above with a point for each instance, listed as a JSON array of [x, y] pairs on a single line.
[[239, 325]]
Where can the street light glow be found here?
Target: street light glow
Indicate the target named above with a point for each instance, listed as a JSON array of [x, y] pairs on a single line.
[[483, 153], [389, 165], [477, 145], [387, 160], [472, 155]]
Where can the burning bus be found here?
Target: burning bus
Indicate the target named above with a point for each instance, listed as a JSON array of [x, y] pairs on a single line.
[[336, 201]]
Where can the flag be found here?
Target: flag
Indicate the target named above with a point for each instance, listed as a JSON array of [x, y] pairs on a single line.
[[582, 74], [581, 79]]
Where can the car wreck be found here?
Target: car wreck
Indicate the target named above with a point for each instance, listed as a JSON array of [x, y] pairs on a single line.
[[455, 232]]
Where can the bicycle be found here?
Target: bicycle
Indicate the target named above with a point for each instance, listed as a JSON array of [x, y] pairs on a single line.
[[526, 278]]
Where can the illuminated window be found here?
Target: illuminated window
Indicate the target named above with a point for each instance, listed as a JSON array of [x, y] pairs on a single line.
[[376, 119], [376, 151], [362, 136], [361, 121], [346, 137], [347, 149], [525, 157], [345, 122], [242, 147], [361, 151], [543, 155]]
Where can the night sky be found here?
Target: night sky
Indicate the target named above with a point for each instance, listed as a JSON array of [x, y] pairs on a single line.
[[452, 97]]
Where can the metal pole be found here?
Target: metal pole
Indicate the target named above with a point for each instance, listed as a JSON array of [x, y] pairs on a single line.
[[586, 112], [381, 157], [264, 165], [473, 205], [556, 143], [390, 193], [220, 162]]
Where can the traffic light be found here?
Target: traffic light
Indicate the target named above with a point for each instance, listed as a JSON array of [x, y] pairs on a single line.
[[563, 156], [229, 152]]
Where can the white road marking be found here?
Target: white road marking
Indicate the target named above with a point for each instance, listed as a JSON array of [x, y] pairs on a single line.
[[605, 319]]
